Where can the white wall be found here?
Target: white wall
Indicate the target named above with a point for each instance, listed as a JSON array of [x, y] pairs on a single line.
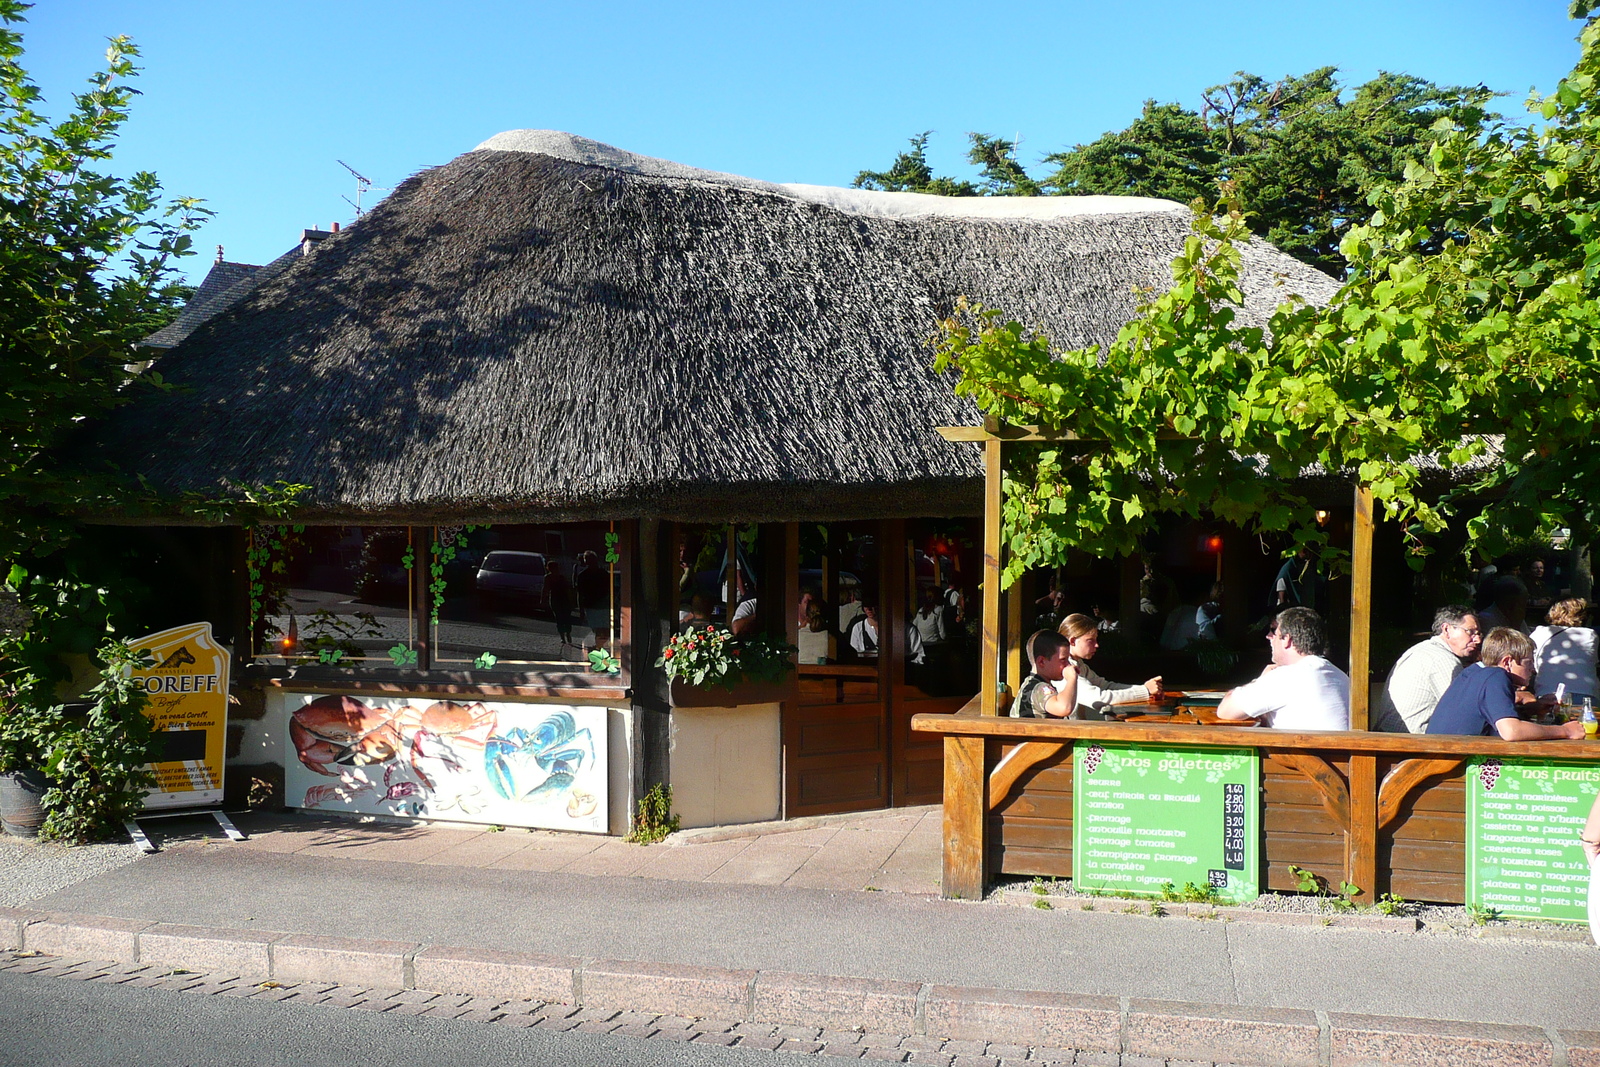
[[726, 764]]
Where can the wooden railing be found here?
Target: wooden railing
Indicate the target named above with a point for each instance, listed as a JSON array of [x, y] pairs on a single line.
[[1383, 811]]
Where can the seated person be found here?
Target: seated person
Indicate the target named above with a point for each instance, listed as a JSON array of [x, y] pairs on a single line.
[[1422, 674], [1208, 615], [1480, 701], [697, 616], [1299, 690], [1083, 636], [1038, 696], [864, 631], [1564, 650], [1510, 605]]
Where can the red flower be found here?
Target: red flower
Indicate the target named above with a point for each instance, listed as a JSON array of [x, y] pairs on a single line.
[[667, 654]]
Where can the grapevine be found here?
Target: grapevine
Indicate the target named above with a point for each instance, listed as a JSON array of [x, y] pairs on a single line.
[[1092, 758]]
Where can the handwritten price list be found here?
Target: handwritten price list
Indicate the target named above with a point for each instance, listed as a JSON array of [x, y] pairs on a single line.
[[1523, 821], [1143, 817]]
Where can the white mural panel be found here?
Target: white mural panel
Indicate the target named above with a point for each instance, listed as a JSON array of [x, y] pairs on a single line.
[[504, 764]]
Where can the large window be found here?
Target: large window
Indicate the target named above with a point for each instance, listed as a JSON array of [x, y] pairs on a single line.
[[334, 594], [719, 576], [520, 597], [838, 593], [943, 606], [523, 596]]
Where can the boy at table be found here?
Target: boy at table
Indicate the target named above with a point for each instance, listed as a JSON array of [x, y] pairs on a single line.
[[1037, 697], [1300, 689], [1482, 701]]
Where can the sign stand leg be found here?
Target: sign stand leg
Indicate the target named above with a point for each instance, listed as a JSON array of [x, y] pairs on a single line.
[[138, 836], [227, 825]]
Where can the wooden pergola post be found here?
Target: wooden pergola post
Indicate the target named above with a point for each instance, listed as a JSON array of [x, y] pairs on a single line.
[[990, 693], [966, 771]]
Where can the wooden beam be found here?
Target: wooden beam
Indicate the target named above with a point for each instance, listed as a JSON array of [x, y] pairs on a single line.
[[1361, 610], [1014, 639], [965, 814], [991, 577], [1361, 837], [1007, 432]]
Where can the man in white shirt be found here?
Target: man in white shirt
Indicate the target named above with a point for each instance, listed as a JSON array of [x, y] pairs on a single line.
[[1299, 690], [1420, 677]]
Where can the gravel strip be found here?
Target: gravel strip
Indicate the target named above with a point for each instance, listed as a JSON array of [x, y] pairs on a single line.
[[1437, 919], [30, 869]]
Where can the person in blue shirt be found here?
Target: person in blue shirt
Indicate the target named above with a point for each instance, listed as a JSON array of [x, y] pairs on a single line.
[[1482, 699]]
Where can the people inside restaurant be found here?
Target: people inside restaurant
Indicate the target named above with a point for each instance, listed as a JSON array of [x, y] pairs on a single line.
[[1422, 674], [1564, 651], [1300, 689], [1509, 606], [1481, 701], [1090, 691]]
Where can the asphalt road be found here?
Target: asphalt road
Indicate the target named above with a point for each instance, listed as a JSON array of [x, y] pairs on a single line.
[[59, 1022]]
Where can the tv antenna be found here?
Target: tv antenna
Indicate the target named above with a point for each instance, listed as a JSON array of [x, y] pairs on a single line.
[[363, 183]]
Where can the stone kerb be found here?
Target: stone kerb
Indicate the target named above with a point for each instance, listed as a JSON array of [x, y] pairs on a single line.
[[1135, 1030]]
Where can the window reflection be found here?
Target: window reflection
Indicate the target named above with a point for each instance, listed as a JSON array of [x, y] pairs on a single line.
[[337, 594], [522, 594]]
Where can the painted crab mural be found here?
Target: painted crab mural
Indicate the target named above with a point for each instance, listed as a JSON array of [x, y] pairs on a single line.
[[512, 764], [342, 731]]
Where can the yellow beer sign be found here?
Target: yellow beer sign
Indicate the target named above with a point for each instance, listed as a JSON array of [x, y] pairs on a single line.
[[187, 682]]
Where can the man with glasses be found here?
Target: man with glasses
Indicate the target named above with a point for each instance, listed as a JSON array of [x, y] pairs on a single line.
[[1426, 670], [1300, 689]]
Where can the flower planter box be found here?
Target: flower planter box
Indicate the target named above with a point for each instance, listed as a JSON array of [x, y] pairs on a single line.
[[684, 695]]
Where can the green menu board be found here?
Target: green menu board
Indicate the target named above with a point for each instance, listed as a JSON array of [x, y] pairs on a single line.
[[1523, 821], [1146, 816]]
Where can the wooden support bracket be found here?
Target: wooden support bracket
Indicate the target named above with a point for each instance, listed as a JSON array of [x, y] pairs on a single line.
[[1329, 783], [1019, 761], [1402, 778]]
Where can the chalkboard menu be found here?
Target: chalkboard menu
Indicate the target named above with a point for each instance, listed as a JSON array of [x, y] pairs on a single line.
[[1143, 817], [1523, 821]]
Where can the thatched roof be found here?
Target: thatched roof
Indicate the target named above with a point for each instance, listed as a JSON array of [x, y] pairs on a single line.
[[546, 327]]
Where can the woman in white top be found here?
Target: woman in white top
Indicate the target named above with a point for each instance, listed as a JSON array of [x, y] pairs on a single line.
[[1564, 650], [1083, 637]]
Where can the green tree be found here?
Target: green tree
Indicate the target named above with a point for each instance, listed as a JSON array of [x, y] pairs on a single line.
[[86, 272], [910, 173], [996, 158], [1303, 153], [1466, 333]]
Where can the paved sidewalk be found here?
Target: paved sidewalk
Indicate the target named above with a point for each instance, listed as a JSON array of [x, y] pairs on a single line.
[[896, 851]]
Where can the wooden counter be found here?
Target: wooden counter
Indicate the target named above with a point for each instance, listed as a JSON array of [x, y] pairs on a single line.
[[1382, 811]]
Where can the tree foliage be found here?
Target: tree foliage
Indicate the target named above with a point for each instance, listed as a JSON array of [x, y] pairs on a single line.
[[1464, 338], [1303, 153], [995, 158], [86, 272]]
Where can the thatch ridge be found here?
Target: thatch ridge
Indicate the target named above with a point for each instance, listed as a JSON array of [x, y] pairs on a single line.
[[516, 335]]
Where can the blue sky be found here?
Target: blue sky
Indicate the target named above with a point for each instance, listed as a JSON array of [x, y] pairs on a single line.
[[250, 105]]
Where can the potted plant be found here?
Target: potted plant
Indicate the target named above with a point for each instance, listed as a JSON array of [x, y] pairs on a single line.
[[22, 778], [712, 657], [70, 770]]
